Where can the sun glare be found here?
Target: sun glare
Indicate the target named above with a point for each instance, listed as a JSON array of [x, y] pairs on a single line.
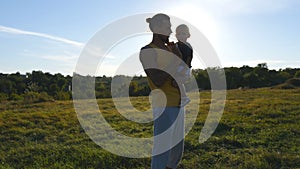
[[199, 18]]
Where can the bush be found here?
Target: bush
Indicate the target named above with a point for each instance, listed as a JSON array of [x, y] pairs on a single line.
[[43, 97], [289, 84], [34, 97], [15, 97], [294, 81], [63, 96], [3, 97], [284, 86], [297, 74]]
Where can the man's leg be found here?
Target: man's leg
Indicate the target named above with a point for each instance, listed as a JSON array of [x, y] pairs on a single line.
[[178, 135], [161, 143], [175, 155]]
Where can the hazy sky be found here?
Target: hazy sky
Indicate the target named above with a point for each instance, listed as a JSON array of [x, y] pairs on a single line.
[[49, 35]]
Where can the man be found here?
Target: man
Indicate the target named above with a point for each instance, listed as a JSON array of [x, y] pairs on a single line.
[[159, 63]]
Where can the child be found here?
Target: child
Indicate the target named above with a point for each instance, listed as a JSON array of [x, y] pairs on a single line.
[[184, 71]]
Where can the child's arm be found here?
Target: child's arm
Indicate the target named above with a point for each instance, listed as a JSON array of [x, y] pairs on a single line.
[[190, 56], [189, 61]]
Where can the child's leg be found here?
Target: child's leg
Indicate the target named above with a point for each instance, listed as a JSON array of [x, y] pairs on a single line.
[[188, 72], [180, 69], [182, 90], [184, 98], [180, 79]]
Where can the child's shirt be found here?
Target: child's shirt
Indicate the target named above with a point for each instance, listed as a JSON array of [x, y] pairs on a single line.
[[186, 51]]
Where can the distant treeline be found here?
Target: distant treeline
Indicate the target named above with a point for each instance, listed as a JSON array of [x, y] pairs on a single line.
[[39, 86]]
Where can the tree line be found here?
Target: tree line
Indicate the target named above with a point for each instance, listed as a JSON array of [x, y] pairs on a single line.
[[39, 86]]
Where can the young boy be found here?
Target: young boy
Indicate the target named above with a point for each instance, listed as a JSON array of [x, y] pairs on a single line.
[[184, 71]]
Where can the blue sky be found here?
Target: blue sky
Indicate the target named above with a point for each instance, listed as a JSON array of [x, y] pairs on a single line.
[[49, 35]]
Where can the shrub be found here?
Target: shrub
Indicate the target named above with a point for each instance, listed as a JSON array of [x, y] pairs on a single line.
[[297, 74], [63, 95], [294, 81], [284, 86], [43, 97], [289, 84], [15, 97], [34, 97], [3, 97]]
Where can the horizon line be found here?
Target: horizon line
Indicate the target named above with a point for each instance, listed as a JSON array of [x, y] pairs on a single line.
[[53, 73]]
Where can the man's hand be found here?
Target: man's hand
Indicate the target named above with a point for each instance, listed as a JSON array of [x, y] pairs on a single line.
[[173, 48]]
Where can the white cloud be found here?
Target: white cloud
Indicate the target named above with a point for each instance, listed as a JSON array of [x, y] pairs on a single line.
[[61, 58], [42, 35]]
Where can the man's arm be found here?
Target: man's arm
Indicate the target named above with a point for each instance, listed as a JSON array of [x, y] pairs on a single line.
[[148, 59]]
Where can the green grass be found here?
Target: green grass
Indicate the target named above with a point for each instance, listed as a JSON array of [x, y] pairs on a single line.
[[259, 129]]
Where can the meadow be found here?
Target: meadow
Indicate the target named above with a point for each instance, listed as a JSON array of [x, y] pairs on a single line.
[[259, 129]]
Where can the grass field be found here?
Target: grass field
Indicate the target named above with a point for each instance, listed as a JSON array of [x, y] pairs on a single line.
[[259, 129]]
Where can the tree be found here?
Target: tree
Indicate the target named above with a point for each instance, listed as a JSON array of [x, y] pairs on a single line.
[[297, 74], [32, 87], [283, 75], [262, 65], [234, 78], [6, 86], [54, 89], [133, 88], [202, 79], [261, 71], [251, 79]]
